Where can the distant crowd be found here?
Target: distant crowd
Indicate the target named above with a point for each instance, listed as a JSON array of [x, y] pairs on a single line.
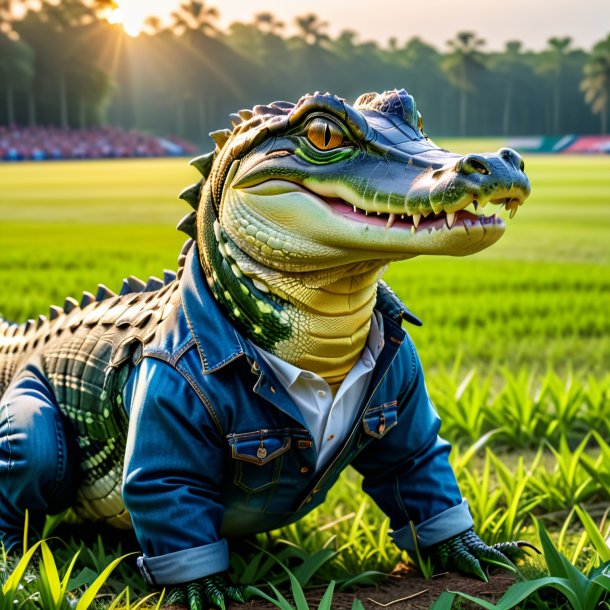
[[42, 143]]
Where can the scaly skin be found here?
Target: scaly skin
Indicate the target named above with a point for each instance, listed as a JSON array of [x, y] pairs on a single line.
[[311, 213], [466, 552], [299, 212]]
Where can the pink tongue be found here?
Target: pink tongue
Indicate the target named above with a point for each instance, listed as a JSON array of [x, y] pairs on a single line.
[[348, 212]]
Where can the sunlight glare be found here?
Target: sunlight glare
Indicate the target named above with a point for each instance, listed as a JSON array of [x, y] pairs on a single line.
[[130, 15]]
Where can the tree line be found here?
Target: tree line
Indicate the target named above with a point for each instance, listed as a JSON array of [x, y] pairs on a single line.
[[63, 63]]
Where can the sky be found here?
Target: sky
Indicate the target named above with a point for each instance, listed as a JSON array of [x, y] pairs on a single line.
[[435, 21]]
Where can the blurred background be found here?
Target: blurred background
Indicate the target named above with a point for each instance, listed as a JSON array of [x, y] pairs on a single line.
[[176, 69], [516, 339]]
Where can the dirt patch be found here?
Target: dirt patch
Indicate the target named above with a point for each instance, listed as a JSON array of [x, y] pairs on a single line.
[[407, 590]]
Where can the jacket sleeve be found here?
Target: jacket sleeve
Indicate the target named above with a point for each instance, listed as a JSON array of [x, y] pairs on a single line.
[[407, 471], [173, 467]]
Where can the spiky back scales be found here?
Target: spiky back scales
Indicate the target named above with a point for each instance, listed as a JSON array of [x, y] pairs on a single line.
[[86, 350]]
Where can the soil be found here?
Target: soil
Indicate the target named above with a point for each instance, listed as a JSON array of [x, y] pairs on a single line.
[[407, 590]]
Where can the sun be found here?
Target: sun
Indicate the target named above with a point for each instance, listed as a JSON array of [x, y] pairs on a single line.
[[130, 14]]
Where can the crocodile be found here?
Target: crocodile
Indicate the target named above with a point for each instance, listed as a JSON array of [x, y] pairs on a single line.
[[299, 210]]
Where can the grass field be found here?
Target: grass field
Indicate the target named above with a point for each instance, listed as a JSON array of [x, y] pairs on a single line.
[[540, 297], [516, 339]]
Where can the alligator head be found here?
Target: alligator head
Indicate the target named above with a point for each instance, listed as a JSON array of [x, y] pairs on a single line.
[[304, 205]]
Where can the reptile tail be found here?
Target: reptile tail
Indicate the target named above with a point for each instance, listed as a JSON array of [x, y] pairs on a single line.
[[19, 341]]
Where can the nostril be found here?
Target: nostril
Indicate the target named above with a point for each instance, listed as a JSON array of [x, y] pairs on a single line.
[[473, 164], [513, 157]]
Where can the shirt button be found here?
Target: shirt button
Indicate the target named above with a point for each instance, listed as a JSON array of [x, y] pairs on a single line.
[[272, 388], [321, 393], [304, 470], [330, 438]]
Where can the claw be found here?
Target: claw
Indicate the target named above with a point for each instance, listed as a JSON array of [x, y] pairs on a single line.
[[236, 595], [465, 552], [193, 592], [210, 591], [515, 550], [176, 597], [471, 565]]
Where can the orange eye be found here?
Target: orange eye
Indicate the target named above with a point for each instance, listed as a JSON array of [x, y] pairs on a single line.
[[324, 135]]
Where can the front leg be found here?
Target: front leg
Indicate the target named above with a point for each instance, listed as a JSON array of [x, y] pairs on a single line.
[[466, 551], [212, 591]]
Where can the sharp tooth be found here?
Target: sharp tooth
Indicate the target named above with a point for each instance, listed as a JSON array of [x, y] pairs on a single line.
[[450, 220], [391, 221], [513, 206], [366, 212], [402, 217], [378, 213], [354, 209], [416, 219], [412, 230]]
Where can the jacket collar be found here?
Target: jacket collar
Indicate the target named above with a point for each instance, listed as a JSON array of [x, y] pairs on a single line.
[[217, 340], [392, 307]]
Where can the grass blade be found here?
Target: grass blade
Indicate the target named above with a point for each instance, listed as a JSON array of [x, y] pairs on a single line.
[[444, 602], [594, 534], [49, 573], [327, 598], [89, 595]]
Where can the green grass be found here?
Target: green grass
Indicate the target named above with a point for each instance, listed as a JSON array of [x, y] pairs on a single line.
[[539, 297], [529, 318]]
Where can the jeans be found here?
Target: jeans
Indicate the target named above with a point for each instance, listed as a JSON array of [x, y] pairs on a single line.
[[36, 458]]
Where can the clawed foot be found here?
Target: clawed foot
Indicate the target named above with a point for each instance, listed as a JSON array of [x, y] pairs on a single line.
[[209, 592], [466, 553]]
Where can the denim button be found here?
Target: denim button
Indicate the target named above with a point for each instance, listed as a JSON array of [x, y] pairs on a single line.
[[304, 470]]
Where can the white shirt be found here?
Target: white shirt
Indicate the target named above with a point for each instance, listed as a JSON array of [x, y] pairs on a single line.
[[328, 420]]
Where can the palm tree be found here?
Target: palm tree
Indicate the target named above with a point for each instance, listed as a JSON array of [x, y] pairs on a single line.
[[311, 28], [267, 22], [596, 83], [553, 63], [509, 64], [195, 16], [461, 66]]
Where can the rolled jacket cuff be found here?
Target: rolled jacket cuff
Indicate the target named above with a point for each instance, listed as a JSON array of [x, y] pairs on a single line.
[[185, 566], [447, 524]]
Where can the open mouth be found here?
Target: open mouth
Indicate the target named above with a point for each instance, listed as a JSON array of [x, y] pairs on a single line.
[[416, 223], [471, 215]]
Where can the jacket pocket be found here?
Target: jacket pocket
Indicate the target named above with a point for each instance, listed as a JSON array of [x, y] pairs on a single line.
[[258, 458], [378, 421]]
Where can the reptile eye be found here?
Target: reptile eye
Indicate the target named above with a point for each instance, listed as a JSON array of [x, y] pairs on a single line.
[[325, 135]]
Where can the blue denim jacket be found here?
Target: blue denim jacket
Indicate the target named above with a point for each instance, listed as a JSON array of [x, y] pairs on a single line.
[[217, 448]]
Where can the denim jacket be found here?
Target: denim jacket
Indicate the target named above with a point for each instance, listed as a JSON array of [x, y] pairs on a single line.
[[217, 448]]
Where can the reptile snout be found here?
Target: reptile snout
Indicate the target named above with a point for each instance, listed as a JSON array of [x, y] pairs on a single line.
[[484, 164], [473, 164], [497, 177]]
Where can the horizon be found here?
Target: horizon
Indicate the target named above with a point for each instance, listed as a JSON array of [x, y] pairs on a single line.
[[532, 23]]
